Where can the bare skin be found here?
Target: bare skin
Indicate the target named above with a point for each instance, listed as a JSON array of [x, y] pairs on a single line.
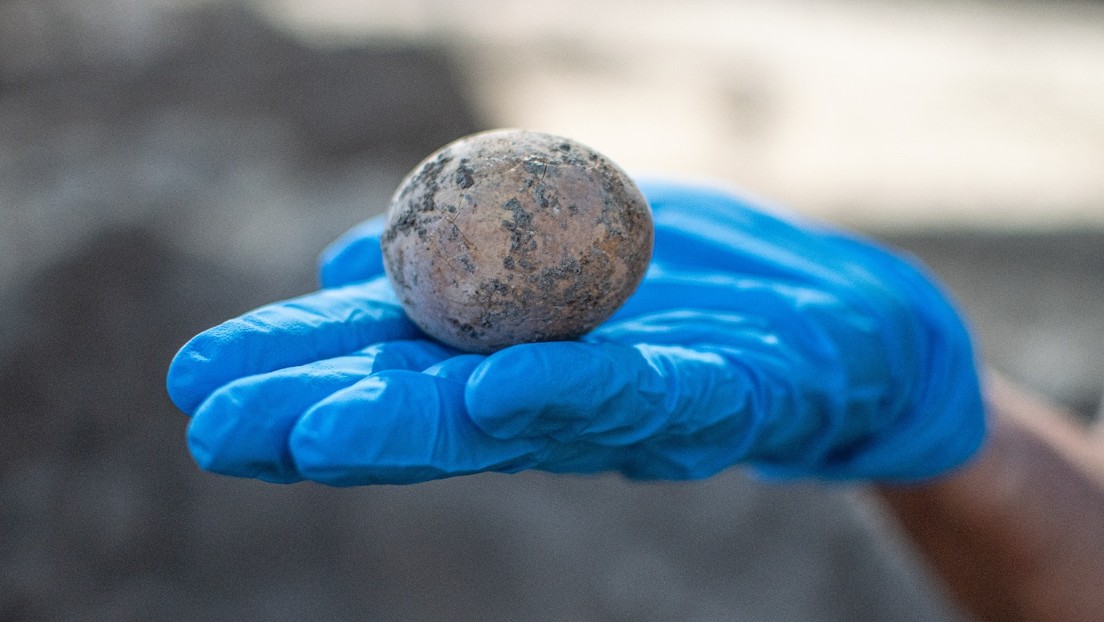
[[1019, 533]]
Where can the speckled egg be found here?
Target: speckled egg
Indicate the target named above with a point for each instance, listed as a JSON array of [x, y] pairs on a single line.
[[513, 236]]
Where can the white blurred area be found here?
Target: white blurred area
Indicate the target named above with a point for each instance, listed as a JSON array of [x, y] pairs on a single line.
[[879, 114]]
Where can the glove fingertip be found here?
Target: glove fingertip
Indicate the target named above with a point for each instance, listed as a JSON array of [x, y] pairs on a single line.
[[195, 372], [202, 453], [345, 439], [308, 453], [491, 400], [211, 454], [182, 378], [553, 389], [211, 436], [354, 257]]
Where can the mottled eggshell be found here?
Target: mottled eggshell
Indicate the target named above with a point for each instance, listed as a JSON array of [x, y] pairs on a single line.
[[512, 236]]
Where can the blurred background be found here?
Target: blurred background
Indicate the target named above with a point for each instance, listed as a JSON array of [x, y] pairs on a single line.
[[167, 164]]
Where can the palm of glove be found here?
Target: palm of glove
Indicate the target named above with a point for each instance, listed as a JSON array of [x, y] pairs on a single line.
[[796, 350]]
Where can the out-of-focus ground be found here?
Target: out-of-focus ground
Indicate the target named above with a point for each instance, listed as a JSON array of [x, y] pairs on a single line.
[[167, 164]]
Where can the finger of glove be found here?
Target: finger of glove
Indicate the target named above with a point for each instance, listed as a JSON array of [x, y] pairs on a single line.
[[611, 394], [353, 257], [243, 428], [400, 427], [317, 326]]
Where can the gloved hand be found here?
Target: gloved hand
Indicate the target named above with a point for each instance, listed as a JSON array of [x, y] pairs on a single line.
[[785, 346]]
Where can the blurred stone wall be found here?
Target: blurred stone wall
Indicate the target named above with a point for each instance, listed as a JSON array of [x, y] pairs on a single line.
[[161, 171]]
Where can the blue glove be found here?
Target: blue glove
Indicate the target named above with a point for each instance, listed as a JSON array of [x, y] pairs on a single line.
[[787, 347]]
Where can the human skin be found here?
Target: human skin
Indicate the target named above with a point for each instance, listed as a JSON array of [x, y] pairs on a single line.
[[1018, 534]]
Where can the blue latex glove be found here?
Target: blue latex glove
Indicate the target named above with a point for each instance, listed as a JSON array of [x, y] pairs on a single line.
[[756, 340]]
